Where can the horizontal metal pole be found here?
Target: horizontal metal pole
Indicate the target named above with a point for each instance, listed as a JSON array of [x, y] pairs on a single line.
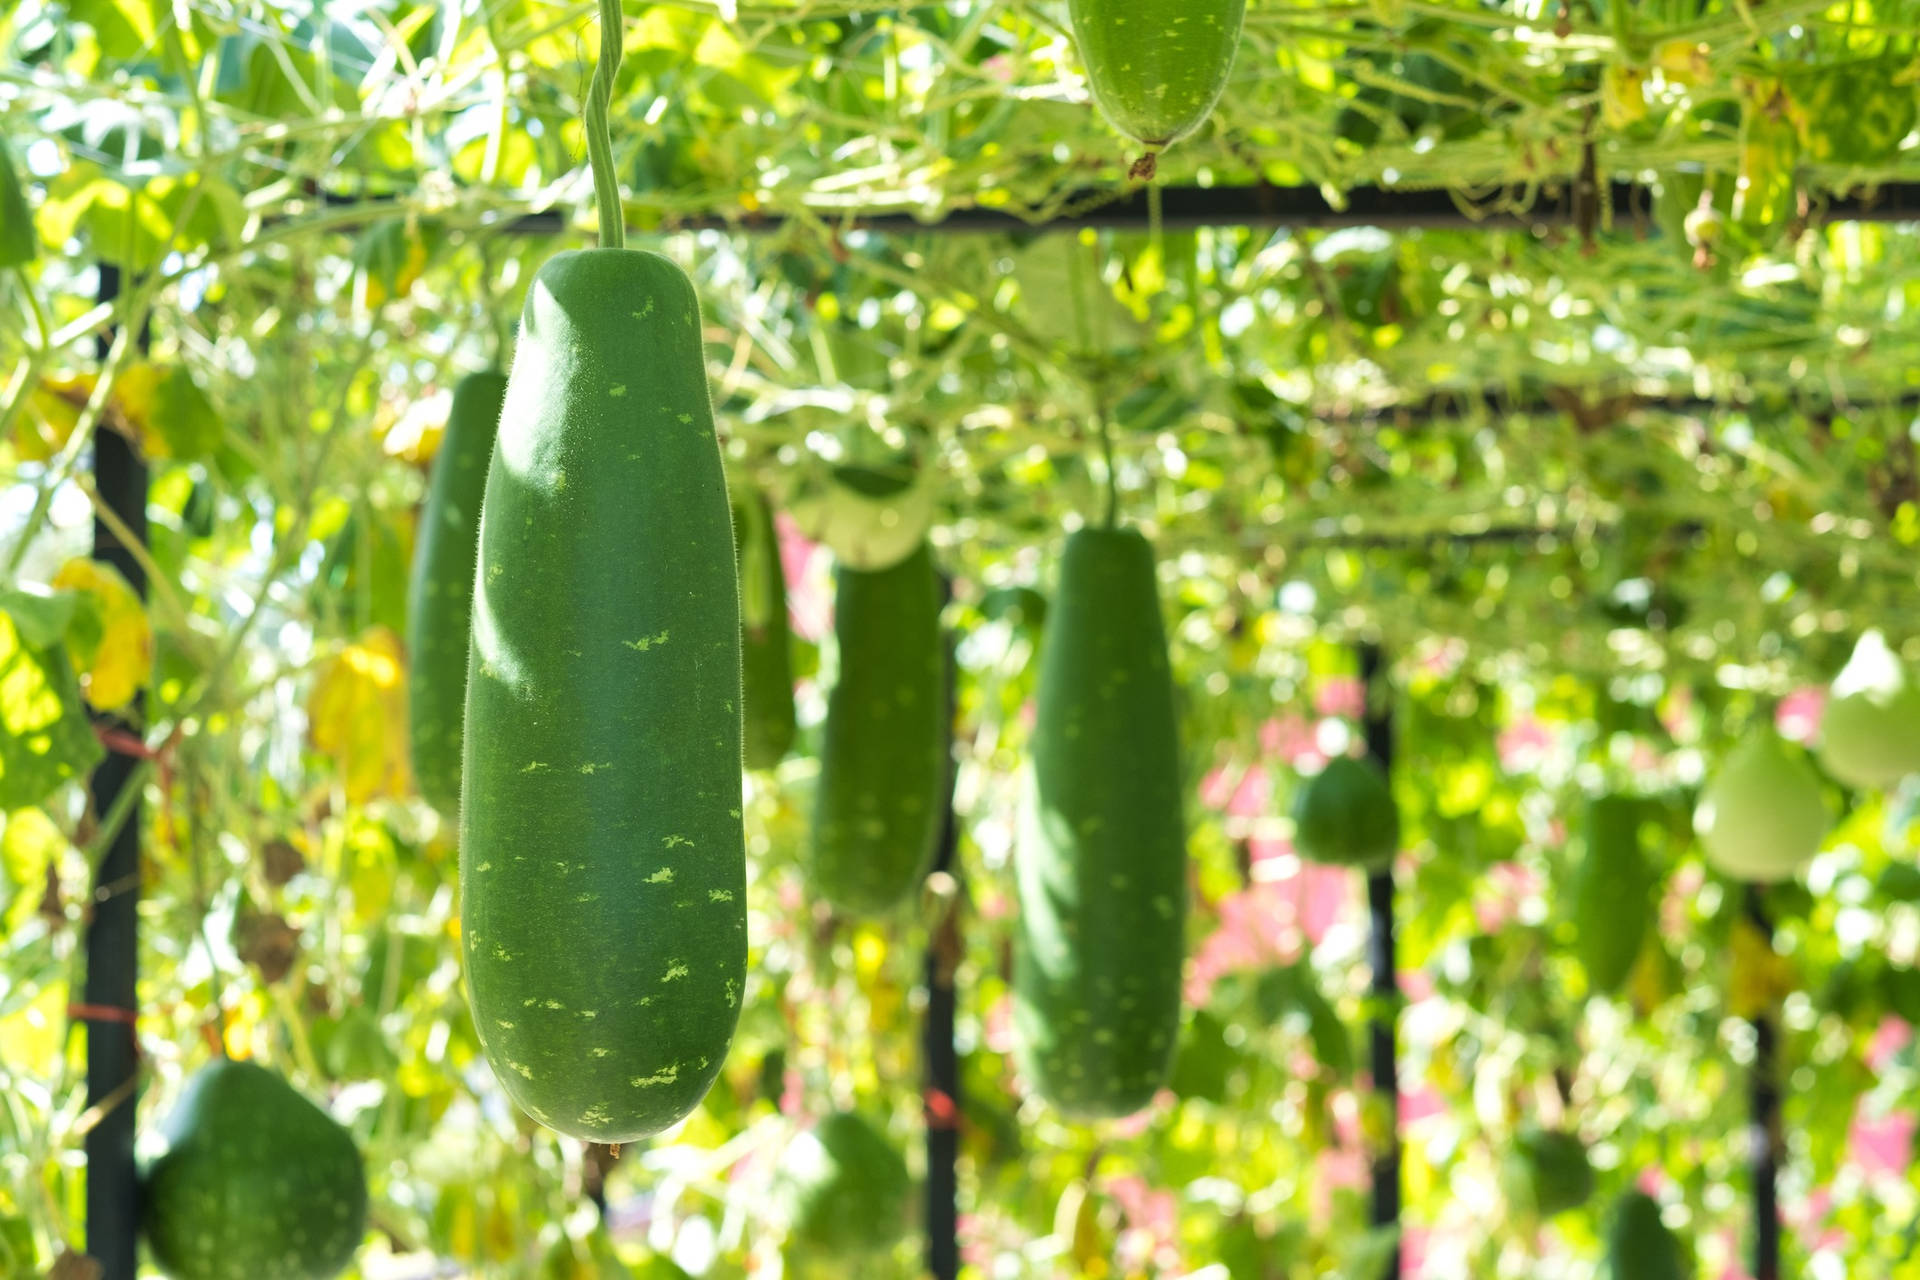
[[1185, 208]]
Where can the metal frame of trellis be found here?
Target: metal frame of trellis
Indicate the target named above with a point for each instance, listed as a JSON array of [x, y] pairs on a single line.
[[120, 476]]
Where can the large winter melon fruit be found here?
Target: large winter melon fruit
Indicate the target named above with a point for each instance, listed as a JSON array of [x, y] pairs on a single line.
[[883, 758], [1101, 863], [1762, 815], [440, 591], [256, 1183], [602, 860], [1870, 731]]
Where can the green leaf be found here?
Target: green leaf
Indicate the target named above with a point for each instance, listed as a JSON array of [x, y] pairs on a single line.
[[184, 418], [42, 620], [18, 242], [126, 29], [45, 738]]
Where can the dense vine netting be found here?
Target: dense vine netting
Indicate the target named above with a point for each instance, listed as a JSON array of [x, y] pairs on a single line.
[[1614, 491]]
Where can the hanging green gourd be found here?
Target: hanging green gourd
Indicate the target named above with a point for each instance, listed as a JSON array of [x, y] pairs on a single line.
[[440, 590], [1157, 67], [766, 639], [602, 858], [884, 756], [1100, 868]]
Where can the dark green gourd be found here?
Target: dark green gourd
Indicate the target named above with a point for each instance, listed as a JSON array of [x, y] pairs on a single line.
[[602, 862], [883, 760], [1101, 864], [256, 1183], [766, 658], [1157, 67], [440, 592]]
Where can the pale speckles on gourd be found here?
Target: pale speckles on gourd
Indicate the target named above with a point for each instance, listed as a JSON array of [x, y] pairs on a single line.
[[675, 969], [606, 697], [666, 1075], [719, 895], [662, 876], [521, 1068], [617, 390]]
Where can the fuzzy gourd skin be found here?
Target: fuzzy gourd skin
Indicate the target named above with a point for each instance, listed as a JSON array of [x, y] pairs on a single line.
[[1101, 864], [256, 1182], [602, 862], [883, 758], [440, 592], [1157, 67]]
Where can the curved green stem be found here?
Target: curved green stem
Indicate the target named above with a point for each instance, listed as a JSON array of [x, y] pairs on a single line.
[[606, 183]]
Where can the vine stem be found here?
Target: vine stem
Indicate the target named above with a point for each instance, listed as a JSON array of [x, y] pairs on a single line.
[[1106, 453], [606, 183]]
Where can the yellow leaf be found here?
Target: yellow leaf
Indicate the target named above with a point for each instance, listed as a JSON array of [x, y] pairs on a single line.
[[1761, 977], [357, 713], [53, 410], [135, 391], [29, 843], [119, 668]]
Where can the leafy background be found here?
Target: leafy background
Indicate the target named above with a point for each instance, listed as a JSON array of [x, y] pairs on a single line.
[[1611, 491]]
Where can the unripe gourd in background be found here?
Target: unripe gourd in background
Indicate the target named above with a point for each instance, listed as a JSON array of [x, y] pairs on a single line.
[[1345, 816], [1870, 731], [1762, 815]]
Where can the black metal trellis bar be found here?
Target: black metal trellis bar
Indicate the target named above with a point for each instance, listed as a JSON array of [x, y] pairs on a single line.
[[1764, 1138], [1377, 726], [112, 939], [939, 1054], [1305, 207]]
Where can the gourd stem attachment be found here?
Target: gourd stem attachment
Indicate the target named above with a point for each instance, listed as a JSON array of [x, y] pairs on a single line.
[[606, 183]]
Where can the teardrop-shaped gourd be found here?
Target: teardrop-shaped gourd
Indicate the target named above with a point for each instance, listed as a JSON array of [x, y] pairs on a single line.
[[1762, 816], [843, 1188], [440, 591], [766, 638], [1157, 67], [1101, 864], [1345, 816], [255, 1181], [1640, 1246], [1870, 730], [602, 858]]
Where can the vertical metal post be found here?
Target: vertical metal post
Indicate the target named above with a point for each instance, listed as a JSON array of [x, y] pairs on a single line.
[[1378, 728], [938, 1052], [112, 940], [1763, 1134]]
